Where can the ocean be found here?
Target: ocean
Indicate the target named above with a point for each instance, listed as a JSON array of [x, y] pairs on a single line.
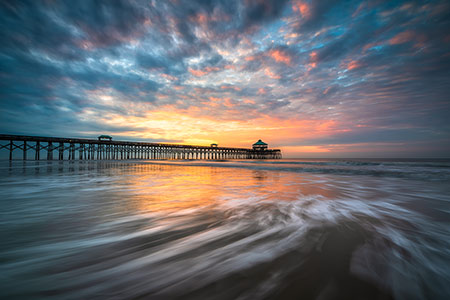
[[238, 229]]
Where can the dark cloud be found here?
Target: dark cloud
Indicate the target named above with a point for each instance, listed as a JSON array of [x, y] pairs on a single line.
[[151, 62], [319, 14], [214, 60], [357, 36], [65, 29], [257, 11], [104, 24], [26, 25]]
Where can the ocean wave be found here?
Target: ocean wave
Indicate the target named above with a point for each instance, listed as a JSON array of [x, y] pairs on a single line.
[[369, 169], [429, 171], [340, 162]]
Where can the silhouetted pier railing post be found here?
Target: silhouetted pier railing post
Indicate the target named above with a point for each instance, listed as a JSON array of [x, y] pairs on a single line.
[[91, 149]]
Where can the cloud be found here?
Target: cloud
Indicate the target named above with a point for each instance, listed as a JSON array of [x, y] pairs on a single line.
[[314, 14], [402, 37], [257, 11], [67, 30], [280, 56], [377, 71]]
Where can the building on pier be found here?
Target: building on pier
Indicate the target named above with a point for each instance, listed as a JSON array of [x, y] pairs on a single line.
[[105, 138], [260, 146]]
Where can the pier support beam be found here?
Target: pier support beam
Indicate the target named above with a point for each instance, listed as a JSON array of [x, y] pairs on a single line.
[[61, 151], [24, 150], [10, 150], [50, 151], [38, 151]]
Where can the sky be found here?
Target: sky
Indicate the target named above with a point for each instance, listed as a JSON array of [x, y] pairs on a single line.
[[313, 78]]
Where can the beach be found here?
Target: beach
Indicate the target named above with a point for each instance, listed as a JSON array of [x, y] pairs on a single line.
[[231, 229]]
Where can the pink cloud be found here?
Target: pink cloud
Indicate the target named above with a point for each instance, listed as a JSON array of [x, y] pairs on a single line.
[[271, 74], [313, 60], [169, 77], [353, 65], [203, 72], [262, 91], [229, 103], [199, 18], [301, 7], [225, 87], [402, 37], [197, 73], [280, 56]]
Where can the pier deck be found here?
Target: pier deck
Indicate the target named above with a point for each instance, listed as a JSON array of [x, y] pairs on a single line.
[[94, 149]]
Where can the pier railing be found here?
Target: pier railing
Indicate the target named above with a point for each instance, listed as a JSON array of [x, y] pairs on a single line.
[[50, 148]]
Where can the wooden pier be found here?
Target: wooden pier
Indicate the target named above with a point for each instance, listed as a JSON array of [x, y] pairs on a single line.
[[53, 148]]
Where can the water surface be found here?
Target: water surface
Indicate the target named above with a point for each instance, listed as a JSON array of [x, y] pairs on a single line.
[[286, 229]]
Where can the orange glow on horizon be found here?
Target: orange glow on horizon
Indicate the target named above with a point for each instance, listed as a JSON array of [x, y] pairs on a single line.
[[189, 126], [305, 149]]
